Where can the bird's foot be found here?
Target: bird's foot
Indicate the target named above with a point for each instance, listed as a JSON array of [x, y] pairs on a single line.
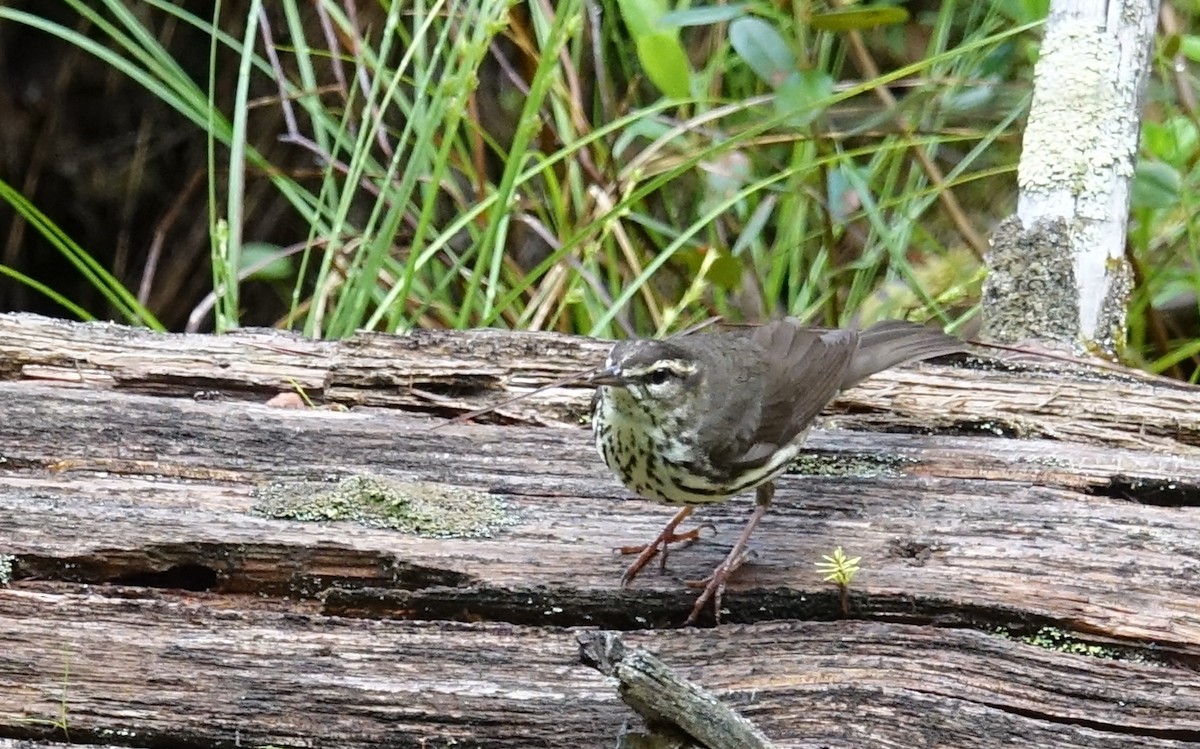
[[660, 545], [714, 585]]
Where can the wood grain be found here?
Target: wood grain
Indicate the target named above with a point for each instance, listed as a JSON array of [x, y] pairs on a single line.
[[127, 508]]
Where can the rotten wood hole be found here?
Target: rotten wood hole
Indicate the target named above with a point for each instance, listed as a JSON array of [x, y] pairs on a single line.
[[989, 500]]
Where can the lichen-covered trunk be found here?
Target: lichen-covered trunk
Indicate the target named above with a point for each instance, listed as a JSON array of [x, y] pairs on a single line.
[[1057, 270]]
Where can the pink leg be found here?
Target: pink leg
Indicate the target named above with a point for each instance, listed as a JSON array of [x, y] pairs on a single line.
[[714, 584], [660, 543]]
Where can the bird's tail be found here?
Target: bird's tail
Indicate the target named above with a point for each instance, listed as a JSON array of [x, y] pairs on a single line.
[[894, 342]]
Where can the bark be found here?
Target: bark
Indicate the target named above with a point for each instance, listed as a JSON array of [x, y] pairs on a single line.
[[1028, 541], [1057, 270]]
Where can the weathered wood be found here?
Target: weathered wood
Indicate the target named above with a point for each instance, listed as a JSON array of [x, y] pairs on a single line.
[[114, 503], [193, 670], [1019, 534], [665, 699], [445, 373]]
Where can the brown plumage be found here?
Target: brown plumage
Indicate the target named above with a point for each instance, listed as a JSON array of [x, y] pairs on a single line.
[[698, 419]]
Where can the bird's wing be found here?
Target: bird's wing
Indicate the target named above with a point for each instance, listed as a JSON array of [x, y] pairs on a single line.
[[805, 371], [893, 342]]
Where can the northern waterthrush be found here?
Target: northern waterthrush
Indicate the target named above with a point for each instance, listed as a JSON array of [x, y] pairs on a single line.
[[697, 419]]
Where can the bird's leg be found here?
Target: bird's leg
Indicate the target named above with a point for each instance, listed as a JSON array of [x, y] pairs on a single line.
[[660, 543], [714, 584]]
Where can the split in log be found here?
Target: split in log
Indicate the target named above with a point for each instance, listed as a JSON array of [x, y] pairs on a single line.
[[156, 596]]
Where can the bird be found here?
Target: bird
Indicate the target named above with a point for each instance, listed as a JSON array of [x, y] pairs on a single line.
[[697, 419]]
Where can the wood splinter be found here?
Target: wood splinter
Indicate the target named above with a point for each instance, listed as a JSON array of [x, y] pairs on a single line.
[[666, 701]]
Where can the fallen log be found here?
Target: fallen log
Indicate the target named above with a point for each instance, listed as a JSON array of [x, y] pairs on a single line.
[[189, 564]]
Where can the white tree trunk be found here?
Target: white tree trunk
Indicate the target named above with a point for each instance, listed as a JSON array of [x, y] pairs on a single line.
[[1058, 270]]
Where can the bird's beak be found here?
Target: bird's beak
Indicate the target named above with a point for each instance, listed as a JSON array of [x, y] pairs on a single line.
[[607, 376]]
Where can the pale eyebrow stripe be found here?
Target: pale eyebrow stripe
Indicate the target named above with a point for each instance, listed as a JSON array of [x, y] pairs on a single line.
[[678, 366]]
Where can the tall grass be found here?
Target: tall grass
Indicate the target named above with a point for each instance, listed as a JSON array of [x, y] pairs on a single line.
[[781, 173]]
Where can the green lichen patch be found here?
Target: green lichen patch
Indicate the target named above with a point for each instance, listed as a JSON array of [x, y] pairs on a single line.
[[1052, 638], [6, 567], [419, 508], [1056, 639], [855, 465]]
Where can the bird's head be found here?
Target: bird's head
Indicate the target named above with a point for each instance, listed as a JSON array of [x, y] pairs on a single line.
[[657, 376]]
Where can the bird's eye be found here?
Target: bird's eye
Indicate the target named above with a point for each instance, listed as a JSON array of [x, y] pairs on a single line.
[[659, 376]]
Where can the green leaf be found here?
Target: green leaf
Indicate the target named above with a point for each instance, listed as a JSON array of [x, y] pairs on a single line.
[[266, 262], [1169, 45], [665, 62], [1189, 45], [763, 49], [1021, 12], [642, 16], [801, 98], [1155, 185], [852, 19], [724, 270], [702, 15], [1174, 141]]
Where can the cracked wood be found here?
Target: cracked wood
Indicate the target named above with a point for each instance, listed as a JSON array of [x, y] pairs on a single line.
[[116, 503]]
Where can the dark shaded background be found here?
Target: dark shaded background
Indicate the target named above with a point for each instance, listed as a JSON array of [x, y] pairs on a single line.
[[119, 172]]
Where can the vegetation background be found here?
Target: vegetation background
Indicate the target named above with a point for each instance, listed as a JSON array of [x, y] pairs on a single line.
[[607, 167]]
